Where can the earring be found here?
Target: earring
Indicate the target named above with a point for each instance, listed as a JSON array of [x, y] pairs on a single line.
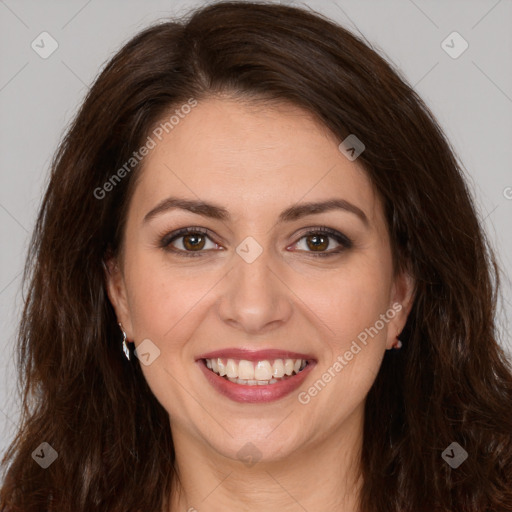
[[125, 345], [398, 344]]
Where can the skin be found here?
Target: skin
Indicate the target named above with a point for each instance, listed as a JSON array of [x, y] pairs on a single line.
[[255, 161]]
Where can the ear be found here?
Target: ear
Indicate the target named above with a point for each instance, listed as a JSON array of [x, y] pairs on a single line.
[[401, 301], [116, 290]]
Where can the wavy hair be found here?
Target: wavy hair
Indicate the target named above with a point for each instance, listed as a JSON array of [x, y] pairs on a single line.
[[451, 382]]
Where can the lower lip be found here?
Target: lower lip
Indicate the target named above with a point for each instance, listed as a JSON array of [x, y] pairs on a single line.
[[258, 393]]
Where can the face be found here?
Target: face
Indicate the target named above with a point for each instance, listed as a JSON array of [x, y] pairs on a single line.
[[261, 278]]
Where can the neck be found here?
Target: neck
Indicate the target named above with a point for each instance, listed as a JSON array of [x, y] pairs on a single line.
[[320, 476]]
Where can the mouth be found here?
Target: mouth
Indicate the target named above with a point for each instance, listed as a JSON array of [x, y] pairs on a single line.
[[262, 376], [255, 373]]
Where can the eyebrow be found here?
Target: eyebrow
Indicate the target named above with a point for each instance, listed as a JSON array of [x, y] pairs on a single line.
[[292, 213]]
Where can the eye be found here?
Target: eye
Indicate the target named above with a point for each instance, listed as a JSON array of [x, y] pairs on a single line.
[[318, 240], [191, 241]]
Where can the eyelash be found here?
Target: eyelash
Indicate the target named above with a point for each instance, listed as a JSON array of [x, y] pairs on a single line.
[[344, 241]]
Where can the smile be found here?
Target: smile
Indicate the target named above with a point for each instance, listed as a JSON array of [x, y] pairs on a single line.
[[256, 378], [255, 373]]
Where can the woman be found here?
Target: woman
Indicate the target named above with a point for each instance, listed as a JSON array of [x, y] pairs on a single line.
[[255, 206]]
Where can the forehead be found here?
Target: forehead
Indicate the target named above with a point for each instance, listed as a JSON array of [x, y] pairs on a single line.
[[253, 158]]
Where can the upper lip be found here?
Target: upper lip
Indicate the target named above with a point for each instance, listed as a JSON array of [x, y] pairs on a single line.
[[254, 355]]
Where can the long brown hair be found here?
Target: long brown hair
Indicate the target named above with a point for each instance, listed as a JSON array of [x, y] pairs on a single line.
[[451, 381]]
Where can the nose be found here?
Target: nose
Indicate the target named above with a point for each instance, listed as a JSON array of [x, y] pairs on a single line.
[[255, 299]]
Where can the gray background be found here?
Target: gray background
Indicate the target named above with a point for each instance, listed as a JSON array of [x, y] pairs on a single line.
[[470, 95]]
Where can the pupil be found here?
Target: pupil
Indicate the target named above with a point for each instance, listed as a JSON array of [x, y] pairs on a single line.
[[317, 244], [194, 244]]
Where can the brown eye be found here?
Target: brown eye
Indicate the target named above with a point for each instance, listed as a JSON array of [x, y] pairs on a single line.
[[188, 242], [193, 242], [317, 242]]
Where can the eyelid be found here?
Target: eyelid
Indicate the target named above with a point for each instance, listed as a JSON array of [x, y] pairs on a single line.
[[166, 240], [344, 241]]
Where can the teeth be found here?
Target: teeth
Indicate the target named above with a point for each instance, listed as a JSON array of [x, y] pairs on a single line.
[[255, 373], [245, 370], [253, 382], [231, 369], [278, 368], [263, 371], [221, 368]]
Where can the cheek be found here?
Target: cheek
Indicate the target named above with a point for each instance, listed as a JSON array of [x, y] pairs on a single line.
[[158, 303], [164, 306], [358, 296], [166, 301], [355, 344], [358, 302]]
